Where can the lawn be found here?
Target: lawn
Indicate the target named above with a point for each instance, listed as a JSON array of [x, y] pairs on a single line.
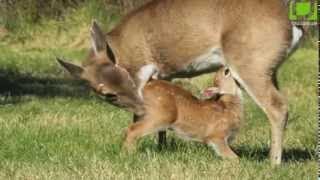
[[54, 127]]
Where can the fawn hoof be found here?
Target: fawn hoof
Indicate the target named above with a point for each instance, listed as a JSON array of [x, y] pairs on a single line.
[[128, 148]]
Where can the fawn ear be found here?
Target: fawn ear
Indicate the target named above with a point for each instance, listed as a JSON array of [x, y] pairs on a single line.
[[98, 39], [75, 70]]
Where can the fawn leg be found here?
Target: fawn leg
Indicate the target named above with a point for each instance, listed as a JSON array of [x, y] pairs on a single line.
[[222, 148], [139, 129], [162, 140], [136, 118]]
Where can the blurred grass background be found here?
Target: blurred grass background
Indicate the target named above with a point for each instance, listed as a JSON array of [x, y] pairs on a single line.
[[54, 127], [29, 20]]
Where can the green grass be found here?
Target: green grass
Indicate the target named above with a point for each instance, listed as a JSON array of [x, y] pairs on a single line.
[[53, 127]]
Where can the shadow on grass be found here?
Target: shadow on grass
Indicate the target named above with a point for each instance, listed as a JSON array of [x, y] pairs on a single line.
[[248, 152], [262, 153], [13, 85]]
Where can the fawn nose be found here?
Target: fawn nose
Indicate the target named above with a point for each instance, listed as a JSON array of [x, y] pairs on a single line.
[[211, 91]]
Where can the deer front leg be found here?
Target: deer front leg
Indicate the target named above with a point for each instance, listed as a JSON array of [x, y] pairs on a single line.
[[144, 75]]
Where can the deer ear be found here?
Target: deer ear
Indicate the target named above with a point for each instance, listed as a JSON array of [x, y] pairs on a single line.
[[98, 39], [74, 70]]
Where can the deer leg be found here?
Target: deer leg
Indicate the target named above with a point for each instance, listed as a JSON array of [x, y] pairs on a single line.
[[140, 128], [222, 148], [136, 118], [260, 86], [162, 139], [144, 75], [253, 59]]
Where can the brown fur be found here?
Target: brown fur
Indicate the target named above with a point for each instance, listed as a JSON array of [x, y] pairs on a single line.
[[208, 121], [253, 36], [162, 23]]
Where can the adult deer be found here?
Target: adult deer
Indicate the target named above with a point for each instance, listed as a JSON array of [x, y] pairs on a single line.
[[184, 38]]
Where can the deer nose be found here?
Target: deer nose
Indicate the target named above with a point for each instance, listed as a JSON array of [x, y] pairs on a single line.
[[110, 96]]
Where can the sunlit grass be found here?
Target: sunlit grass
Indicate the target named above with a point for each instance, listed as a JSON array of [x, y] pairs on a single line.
[[53, 127]]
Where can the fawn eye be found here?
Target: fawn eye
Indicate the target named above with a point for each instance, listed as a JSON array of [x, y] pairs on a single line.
[[227, 72]]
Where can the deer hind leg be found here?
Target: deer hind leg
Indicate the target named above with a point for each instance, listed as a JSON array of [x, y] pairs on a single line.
[[253, 56], [260, 86]]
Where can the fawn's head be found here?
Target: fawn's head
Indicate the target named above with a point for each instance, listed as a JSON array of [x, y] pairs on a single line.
[[103, 74], [223, 83]]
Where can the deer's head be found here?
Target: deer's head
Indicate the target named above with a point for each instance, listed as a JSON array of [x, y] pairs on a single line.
[[102, 73]]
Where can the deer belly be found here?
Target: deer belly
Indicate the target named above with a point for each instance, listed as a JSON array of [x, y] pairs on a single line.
[[208, 62]]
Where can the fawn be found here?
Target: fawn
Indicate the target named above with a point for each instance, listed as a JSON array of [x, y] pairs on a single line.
[[212, 121]]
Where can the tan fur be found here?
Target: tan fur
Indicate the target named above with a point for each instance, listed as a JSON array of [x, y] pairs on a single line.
[[209, 121], [252, 36], [172, 32]]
